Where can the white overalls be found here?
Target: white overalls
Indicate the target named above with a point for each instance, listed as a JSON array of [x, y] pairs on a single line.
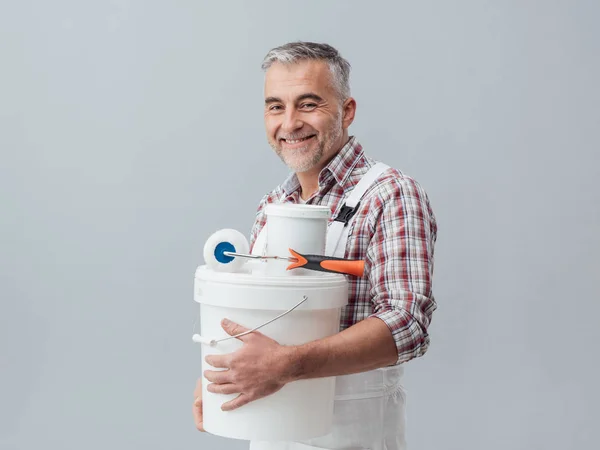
[[369, 407]]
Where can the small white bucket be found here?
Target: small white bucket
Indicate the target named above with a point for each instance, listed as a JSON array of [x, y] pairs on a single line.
[[302, 228], [301, 409]]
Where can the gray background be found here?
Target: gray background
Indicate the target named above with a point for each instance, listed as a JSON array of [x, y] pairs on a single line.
[[131, 131]]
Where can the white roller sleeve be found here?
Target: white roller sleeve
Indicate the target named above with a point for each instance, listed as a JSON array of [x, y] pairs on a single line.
[[235, 238]]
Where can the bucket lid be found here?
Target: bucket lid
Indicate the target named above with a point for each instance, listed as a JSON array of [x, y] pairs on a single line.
[[258, 291], [294, 210]]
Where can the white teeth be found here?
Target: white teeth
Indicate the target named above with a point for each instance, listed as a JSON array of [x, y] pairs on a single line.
[[295, 141]]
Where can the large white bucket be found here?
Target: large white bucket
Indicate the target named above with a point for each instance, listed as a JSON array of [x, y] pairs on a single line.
[[301, 409]]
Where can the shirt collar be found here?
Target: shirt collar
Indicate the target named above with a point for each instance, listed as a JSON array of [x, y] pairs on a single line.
[[291, 184], [340, 167], [342, 164]]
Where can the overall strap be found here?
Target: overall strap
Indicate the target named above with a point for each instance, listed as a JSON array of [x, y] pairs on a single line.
[[337, 233]]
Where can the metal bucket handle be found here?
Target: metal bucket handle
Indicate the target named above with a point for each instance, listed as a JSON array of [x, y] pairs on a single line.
[[213, 342]]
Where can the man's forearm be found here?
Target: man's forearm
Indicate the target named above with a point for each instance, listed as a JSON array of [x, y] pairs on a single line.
[[364, 346]]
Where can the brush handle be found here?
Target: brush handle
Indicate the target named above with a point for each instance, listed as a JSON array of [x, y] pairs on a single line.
[[328, 264]]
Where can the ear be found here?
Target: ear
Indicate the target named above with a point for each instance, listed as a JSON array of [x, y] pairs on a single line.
[[348, 112]]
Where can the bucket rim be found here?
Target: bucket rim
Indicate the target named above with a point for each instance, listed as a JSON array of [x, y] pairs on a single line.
[[319, 280], [293, 210]]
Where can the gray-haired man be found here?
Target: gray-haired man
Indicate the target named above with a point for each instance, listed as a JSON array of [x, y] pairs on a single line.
[[308, 109]]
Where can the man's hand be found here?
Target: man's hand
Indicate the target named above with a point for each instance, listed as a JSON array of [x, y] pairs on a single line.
[[260, 368], [197, 407]]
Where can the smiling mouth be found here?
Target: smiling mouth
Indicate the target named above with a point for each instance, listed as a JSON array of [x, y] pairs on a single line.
[[297, 141]]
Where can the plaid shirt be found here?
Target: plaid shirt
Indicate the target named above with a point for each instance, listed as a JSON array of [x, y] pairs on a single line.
[[394, 231]]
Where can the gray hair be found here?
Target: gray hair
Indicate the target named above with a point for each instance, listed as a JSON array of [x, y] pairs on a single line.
[[299, 51]]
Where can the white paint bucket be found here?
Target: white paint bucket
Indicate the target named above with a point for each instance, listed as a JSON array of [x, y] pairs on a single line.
[[301, 409], [302, 228]]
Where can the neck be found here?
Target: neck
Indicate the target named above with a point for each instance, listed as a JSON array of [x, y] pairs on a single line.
[[309, 180], [309, 183]]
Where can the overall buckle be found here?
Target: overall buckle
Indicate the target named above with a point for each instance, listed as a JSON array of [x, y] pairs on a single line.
[[346, 214]]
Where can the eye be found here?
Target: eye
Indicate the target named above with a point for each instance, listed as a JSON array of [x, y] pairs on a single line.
[[275, 108], [308, 105]]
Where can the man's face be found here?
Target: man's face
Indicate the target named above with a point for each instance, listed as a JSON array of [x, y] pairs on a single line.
[[303, 114]]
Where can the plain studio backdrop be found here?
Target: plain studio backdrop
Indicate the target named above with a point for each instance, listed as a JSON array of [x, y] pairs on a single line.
[[130, 131]]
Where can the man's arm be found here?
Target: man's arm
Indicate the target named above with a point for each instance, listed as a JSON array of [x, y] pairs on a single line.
[[400, 269], [364, 346]]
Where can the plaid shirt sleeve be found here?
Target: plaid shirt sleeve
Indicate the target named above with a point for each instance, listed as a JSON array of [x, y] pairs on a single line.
[[260, 219], [400, 264]]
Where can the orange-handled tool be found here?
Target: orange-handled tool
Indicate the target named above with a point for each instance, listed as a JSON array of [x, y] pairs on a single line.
[[327, 264]]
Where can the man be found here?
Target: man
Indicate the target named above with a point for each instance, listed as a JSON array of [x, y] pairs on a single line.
[[386, 220]]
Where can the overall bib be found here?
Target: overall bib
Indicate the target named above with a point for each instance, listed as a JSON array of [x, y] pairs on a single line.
[[369, 407]]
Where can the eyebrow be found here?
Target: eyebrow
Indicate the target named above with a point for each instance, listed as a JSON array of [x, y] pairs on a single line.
[[307, 96]]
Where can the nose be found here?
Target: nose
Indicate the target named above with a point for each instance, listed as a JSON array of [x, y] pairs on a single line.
[[291, 121]]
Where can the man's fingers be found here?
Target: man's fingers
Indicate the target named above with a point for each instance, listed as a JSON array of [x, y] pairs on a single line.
[[218, 361], [240, 400], [218, 376], [197, 412], [232, 328], [228, 388]]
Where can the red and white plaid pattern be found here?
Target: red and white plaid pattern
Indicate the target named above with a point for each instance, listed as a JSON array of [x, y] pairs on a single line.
[[394, 231]]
